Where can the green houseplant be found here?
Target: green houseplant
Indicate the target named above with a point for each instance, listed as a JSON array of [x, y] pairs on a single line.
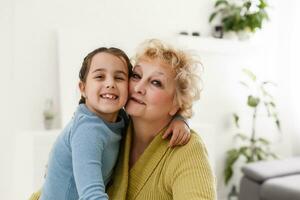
[[252, 147], [240, 15], [48, 114]]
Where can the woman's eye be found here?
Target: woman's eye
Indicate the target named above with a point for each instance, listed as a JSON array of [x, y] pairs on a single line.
[[135, 76], [156, 83]]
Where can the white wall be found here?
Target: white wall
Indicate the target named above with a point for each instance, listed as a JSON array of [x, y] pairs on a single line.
[[29, 57], [7, 96], [29, 45], [35, 47], [294, 44]]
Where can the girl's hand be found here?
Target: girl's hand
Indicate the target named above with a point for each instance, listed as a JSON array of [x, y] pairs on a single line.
[[180, 133]]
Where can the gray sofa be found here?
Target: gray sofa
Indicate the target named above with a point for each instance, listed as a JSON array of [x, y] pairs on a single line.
[[271, 180]]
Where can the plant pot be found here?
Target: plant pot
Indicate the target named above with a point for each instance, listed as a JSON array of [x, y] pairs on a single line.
[[231, 35], [48, 124], [244, 35]]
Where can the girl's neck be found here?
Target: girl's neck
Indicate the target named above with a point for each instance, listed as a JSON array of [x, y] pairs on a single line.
[[112, 117]]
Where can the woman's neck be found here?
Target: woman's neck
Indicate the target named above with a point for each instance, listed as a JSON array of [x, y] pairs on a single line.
[[144, 132]]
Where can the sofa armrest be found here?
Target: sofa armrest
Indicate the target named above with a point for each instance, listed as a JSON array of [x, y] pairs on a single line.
[[263, 170]]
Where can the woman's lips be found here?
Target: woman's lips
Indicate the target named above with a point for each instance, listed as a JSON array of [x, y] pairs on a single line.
[[137, 100]]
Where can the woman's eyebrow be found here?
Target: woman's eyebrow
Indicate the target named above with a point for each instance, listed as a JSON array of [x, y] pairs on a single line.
[[159, 73]]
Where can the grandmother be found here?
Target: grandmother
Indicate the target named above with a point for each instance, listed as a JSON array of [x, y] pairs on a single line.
[[164, 83]]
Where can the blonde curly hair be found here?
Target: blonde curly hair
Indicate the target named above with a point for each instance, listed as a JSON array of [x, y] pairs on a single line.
[[184, 65]]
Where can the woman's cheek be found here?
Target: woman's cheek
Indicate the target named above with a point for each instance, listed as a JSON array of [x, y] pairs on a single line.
[[160, 97]]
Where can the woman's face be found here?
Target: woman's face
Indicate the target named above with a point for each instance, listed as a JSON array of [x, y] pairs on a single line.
[[151, 90]]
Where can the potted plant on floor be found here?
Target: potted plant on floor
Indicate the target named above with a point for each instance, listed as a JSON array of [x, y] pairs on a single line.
[[251, 146]]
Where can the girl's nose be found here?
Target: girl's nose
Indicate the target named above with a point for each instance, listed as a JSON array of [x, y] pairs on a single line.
[[110, 83]]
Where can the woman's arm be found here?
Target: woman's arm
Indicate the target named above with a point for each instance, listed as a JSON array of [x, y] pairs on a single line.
[[189, 173]]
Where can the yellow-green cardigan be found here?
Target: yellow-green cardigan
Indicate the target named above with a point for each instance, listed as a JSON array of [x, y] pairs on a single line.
[[161, 172]]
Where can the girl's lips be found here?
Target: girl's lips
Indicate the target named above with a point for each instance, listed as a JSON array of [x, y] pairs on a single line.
[[109, 96]]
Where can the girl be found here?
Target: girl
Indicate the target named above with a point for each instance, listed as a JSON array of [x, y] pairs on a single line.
[[83, 156]]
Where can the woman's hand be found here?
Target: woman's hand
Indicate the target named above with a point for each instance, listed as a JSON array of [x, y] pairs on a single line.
[[180, 133]]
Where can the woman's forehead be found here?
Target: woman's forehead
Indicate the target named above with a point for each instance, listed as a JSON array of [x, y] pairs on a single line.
[[155, 65]]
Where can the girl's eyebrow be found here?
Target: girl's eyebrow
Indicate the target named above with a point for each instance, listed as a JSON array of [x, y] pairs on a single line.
[[98, 69], [121, 72], [117, 72]]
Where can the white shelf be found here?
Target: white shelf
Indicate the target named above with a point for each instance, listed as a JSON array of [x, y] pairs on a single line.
[[32, 150], [219, 46]]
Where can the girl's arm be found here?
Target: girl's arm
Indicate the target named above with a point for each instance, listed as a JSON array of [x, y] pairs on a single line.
[[180, 131], [87, 146]]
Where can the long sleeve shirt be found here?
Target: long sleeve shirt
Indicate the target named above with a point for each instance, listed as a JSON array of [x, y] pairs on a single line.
[[83, 156]]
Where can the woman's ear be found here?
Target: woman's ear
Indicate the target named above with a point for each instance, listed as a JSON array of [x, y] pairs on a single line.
[[82, 88], [174, 108]]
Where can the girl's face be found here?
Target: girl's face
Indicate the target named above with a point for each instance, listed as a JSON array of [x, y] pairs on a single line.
[[151, 91], [106, 86]]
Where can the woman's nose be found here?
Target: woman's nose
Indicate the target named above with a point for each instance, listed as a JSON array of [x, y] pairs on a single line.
[[140, 87]]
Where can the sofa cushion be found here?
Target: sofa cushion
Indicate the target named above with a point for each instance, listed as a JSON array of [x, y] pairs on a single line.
[[249, 189], [263, 170], [282, 188]]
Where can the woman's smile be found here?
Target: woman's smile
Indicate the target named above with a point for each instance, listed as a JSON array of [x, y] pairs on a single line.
[[137, 100]]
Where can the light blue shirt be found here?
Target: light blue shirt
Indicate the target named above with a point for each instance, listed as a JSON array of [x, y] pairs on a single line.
[[83, 156]]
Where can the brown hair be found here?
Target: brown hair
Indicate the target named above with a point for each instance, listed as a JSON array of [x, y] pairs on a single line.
[[85, 67]]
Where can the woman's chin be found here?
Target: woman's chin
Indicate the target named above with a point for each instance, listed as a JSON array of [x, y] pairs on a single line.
[[133, 108]]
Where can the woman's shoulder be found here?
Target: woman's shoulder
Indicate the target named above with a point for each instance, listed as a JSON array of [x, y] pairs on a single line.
[[195, 149], [195, 142]]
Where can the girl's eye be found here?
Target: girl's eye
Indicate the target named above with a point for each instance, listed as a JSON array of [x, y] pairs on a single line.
[[156, 83], [120, 78], [135, 76], [99, 77]]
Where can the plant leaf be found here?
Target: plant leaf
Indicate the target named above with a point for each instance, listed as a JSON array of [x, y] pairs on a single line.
[[253, 101], [212, 16], [263, 141], [278, 124], [242, 136], [269, 82], [245, 151], [271, 103], [220, 2], [244, 84], [250, 74], [232, 156], [273, 155], [236, 120]]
